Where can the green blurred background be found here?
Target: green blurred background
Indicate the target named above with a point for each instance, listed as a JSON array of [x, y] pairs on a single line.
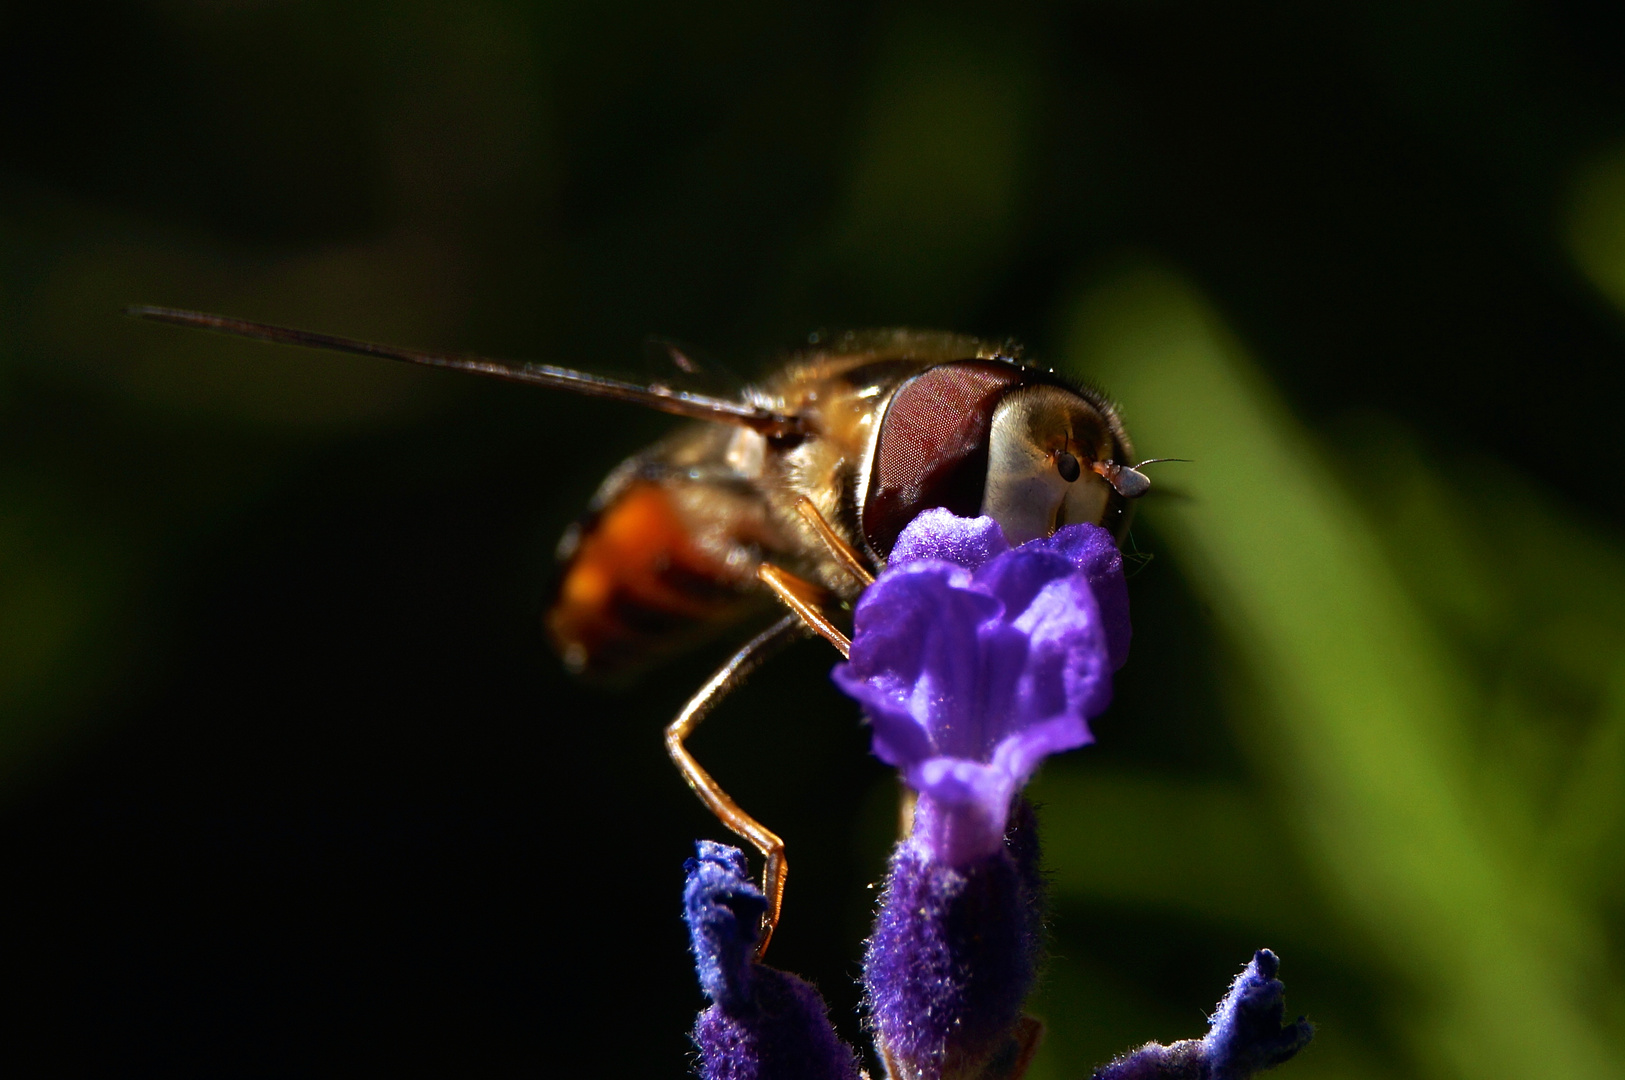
[[289, 781]]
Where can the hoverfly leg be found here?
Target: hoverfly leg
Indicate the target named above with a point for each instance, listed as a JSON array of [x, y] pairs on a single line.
[[848, 559], [802, 597], [755, 652]]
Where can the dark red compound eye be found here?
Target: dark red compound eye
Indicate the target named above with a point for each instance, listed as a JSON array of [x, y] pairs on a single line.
[[933, 446]]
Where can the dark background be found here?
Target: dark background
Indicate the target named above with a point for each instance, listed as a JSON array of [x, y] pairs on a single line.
[[291, 782]]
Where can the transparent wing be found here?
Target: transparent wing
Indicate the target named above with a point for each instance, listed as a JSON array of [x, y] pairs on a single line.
[[656, 395], [680, 366]]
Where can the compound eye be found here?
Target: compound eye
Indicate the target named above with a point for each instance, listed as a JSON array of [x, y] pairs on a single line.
[[1068, 467]]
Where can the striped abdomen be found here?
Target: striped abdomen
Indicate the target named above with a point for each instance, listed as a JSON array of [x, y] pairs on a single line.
[[655, 566]]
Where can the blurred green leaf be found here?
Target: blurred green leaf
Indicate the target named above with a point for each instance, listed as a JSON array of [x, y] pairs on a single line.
[[1194, 848], [1365, 717], [1543, 628], [1586, 843], [1595, 222]]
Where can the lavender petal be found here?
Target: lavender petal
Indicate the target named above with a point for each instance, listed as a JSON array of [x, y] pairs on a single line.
[[941, 535]]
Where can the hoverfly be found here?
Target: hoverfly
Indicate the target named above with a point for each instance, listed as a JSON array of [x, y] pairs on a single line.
[[797, 489]]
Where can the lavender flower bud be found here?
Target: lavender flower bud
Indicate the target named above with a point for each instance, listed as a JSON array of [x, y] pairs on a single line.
[[953, 956], [763, 1024], [1245, 1035]]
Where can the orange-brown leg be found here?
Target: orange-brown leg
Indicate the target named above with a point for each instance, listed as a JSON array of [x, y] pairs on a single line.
[[803, 597], [849, 559], [729, 676]]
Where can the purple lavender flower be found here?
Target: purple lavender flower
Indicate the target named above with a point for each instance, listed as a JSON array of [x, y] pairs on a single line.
[[763, 1024], [1245, 1035], [975, 661], [941, 535]]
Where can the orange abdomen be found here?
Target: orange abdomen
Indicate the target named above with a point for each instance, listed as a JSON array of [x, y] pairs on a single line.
[[636, 585]]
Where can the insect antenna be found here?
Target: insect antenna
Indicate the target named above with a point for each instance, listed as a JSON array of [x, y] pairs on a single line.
[[1127, 480]]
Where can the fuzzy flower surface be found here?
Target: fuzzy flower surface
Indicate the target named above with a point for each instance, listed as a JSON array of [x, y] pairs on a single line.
[[1245, 1035], [952, 958], [974, 661], [763, 1024]]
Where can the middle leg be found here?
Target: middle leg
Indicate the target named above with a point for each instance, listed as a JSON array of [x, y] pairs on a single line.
[[755, 652]]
